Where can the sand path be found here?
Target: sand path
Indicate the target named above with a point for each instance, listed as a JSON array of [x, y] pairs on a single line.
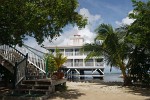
[[101, 91]]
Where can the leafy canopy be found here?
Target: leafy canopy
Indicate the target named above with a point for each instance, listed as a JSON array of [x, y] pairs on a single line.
[[139, 30], [36, 18]]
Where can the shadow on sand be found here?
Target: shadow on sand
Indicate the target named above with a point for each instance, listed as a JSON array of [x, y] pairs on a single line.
[[75, 94], [69, 94], [136, 90]]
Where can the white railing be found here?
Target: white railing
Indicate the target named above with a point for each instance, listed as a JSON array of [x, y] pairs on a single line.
[[18, 61], [33, 57], [11, 54], [99, 64], [89, 63], [78, 64], [68, 64], [68, 53], [20, 69], [78, 54]]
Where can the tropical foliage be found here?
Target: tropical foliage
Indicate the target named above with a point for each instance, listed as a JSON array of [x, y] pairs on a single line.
[[36, 18], [126, 47], [55, 61], [138, 37], [113, 48]]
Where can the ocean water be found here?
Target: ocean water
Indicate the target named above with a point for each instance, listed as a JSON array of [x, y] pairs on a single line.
[[113, 77], [108, 77]]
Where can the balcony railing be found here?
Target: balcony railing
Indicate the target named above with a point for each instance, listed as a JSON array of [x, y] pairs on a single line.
[[68, 64], [78, 64], [99, 63], [68, 53], [86, 64], [78, 54], [89, 63]]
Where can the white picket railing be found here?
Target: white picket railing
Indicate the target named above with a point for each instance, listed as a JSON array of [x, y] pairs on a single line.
[[11, 54], [35, 57], [20, 69], [18, 61]]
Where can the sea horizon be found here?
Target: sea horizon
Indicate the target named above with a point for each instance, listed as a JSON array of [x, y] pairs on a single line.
[[108, 77]]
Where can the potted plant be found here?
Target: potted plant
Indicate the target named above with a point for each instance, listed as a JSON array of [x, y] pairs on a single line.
[[55, 62], [50, 66]]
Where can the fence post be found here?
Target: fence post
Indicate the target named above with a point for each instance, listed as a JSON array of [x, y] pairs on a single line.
[[15, 75], [26, 65]]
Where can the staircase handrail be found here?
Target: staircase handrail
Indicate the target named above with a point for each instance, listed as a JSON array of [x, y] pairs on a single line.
[[7, 54], [20, 71], [34, 58], [19, 66], [35, 50]]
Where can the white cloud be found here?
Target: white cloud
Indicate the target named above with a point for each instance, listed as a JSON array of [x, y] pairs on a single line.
[[93, 20], [87, 14], [87, 32], [126, 21], [32, 43]]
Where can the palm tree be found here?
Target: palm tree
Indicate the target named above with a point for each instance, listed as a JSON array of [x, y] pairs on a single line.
[[112, 47], [59, 59], [55, 61]]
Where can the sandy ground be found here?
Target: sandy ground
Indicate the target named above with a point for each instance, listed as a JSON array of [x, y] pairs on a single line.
[[101, 91]]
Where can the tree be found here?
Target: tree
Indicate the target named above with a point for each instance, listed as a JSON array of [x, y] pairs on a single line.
[[36, 18], [139, 36], [113, 48], [127, 47], [139, 30]]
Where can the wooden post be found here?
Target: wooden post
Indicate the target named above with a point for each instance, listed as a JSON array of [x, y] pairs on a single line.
[[15, 75]]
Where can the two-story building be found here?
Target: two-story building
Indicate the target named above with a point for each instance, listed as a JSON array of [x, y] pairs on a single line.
[[76, 64]]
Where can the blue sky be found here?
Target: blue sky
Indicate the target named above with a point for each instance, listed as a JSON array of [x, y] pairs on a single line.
[[112, 12], [109, 10]]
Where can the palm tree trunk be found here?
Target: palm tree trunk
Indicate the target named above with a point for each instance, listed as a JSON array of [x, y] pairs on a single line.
[[126, 78]]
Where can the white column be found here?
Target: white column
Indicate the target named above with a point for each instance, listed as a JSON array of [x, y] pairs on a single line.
[[64, 52], [83, 63], [94, 61], [73, 62], [73, 51]]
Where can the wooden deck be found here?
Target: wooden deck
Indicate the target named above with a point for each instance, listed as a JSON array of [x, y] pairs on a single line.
[[44, 87]]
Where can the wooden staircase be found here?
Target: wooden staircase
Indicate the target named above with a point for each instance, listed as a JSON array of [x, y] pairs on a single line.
[[28, 69], [35, 65], [4, 90], [33, 76], [14, 61], [35, 87], [33, 73]]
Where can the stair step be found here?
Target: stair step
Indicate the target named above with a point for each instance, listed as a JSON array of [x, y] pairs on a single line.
[[44, 82], [25, 86], [41, 90], [4, 90], [33, 91], [44, 87], [30, 82], [39, 86], [35, 77]]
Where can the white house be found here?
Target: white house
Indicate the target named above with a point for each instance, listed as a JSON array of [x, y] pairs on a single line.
[[76, 60]]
